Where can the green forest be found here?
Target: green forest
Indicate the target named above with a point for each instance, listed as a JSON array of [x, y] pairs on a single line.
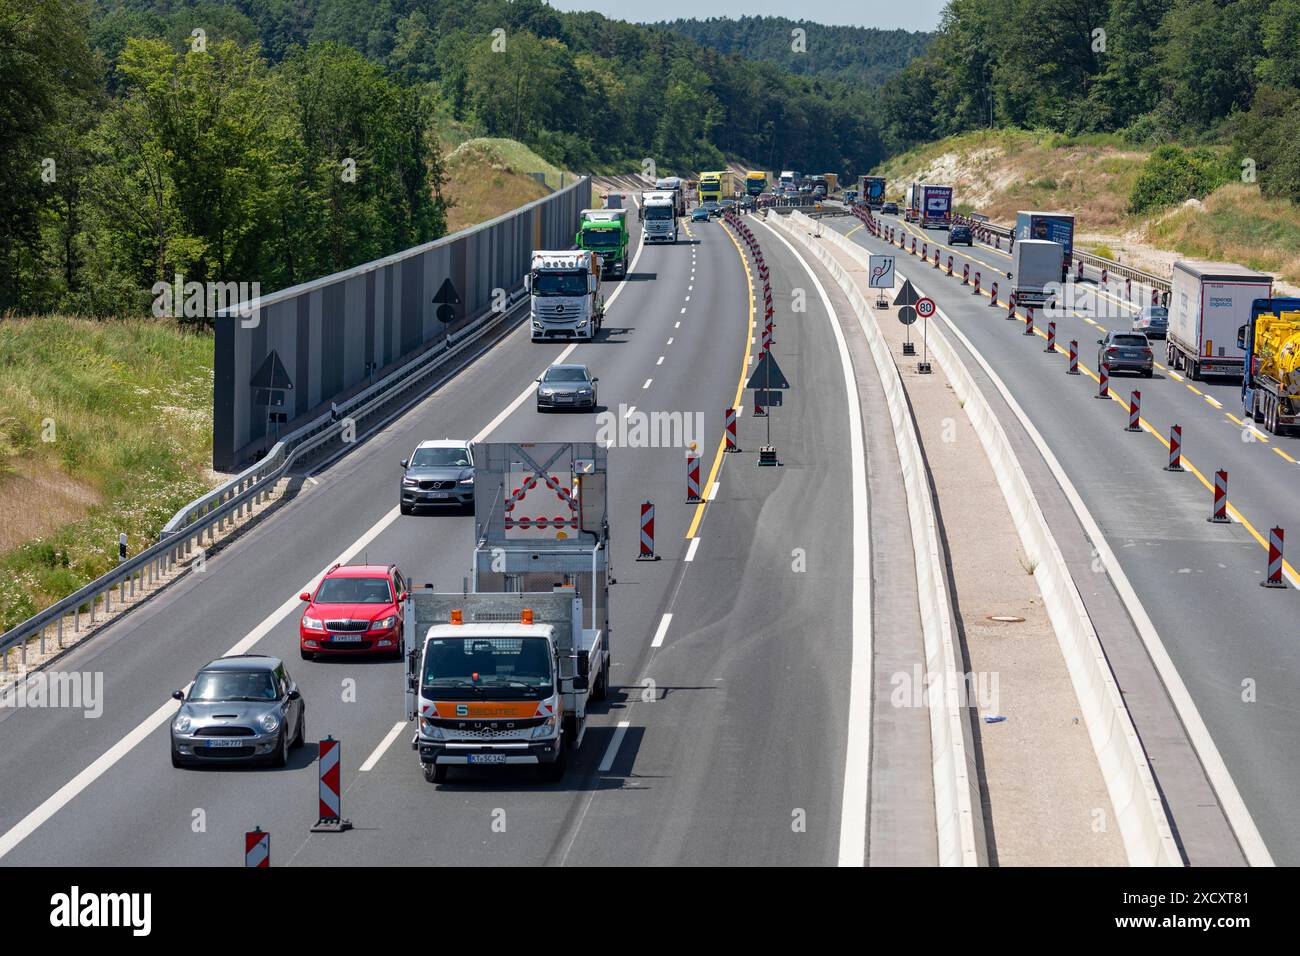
[[1195, 72], [859, 55], [274, 141]]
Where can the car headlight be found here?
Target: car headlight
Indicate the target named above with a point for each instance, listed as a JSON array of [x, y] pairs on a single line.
[[269, 722], [584, 391], [312, 624], [183, 724], [429, 729], [467, 481], [409, 482], [385, 623], [544, 729]]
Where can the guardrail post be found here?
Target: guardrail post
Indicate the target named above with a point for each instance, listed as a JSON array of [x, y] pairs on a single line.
[[60, 632], [44, 629]]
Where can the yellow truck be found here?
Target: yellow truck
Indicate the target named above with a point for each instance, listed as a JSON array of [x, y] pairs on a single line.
[[1270, 391]]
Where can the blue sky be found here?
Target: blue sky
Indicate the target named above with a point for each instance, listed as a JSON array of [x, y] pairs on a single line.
[[913, 15]]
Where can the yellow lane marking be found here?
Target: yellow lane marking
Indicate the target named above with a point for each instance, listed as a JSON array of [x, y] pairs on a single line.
[[854, 229], [1284, 455], [740, 387], [1213, 401], [1196, 390]]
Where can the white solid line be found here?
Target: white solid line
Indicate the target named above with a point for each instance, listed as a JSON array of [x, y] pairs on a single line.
[[857, 758], [713, 492], [661, 361], [663, 631], [383, 745], [691, 549], [65, 794], [607, 761]]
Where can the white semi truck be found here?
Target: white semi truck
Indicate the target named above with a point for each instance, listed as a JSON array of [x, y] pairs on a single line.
[[503, 673], [659, 217], [1209, 308], [1035, 272], [565, 298]]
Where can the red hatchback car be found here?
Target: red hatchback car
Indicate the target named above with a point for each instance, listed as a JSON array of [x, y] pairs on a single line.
[[357, 609]]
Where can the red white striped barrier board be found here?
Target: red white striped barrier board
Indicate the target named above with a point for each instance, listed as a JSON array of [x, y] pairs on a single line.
[[925, 251], [1220, 513], [1103, 275], [1103, 380], [692, 478], [1175, 449], [1011, 306], [965, 274], [1029, 321], [647, 532], [993, 295], [977, 283], [257, 849], [1274, 579], [1051, 337], [331, 790], [914, 245], [730, 429], [950, 265], [936, 258], [1074, 358], [1134, 404]]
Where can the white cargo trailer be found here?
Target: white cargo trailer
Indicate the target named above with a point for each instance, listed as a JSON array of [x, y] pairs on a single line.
[[1209, 305]]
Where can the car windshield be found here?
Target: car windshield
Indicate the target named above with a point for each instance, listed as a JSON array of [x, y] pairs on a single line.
[[233, 685], [565, 375], [354, 591], [1129, 340], [1156, 314], [465, 667], [440, 458], [659, 212], [602, 238], [560, 283]]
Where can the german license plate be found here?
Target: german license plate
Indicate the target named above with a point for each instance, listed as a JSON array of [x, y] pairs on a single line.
[[563, 398], [346, 638], [436, 494], [487, 758], [224, 742]]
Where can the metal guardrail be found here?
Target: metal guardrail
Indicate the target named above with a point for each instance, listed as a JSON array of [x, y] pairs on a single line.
[[238, 495]]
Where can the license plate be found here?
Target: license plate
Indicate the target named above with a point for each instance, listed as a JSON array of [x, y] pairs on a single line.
[[486, 758], [346, 638], [224, 742], [563, 398], [436, 494]]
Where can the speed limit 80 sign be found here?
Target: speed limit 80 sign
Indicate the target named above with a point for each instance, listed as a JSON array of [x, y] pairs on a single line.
[[925, 307]]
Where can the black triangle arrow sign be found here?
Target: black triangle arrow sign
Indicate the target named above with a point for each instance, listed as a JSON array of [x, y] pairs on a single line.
[[767, 374], [272, 374], [447, 294], [906, 295]]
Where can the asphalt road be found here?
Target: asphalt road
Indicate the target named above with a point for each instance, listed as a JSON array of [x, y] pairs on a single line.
[[734, 746], [1234, 643]]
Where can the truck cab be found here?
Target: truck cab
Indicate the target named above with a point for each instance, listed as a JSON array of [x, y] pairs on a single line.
[[503, 674], [565, 298], [604, 232], [660, 218]]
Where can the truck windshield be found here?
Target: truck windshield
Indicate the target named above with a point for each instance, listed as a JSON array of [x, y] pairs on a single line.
[[560, 283], [602, 238], [466, 668], [659, 212]]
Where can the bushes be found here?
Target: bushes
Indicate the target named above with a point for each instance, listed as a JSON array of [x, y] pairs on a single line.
[[1173, 175]]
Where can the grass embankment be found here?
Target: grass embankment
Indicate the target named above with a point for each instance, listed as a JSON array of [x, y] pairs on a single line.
[[997, 172], [488, 177], [105, 427]]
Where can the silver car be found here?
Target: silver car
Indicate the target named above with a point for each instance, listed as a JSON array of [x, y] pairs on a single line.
[[1126, 352], [438, 473], [566, 386], [242, 708], [1152, 321]]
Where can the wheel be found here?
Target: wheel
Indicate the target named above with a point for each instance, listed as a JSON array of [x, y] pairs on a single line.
[[281, 756], [1255, 414], [600, 690], [306, 654], [1270, 416], [434, 773], [1193, 369], [301, 735], [1148, 373], [400, 652]]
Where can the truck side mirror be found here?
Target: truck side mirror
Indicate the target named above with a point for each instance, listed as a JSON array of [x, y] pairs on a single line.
[[1241, 337], [528, 283], [578, 683]]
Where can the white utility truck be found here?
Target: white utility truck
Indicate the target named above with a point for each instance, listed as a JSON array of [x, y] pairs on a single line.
[[659, 217], [1035, 272], [565, 298], [502, 673]]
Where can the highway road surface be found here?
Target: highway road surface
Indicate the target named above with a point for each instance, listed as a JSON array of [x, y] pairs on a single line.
[[1236, 645], [730, 725]]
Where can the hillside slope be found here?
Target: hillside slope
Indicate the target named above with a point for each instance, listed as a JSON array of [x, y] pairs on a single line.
[[997, 172]]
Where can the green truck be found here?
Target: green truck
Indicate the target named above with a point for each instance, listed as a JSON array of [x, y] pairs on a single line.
[[604, 232]]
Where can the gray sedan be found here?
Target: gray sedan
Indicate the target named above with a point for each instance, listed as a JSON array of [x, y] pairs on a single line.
[[566, 386], [241, 708], [1126, 351]]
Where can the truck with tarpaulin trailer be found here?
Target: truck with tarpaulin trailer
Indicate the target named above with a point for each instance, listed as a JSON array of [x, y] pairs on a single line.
[[1209, 303], [503, 672], [1057, 227]]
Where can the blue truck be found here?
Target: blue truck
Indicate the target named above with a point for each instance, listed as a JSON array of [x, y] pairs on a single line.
[[871, 191], [1055, 227]]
